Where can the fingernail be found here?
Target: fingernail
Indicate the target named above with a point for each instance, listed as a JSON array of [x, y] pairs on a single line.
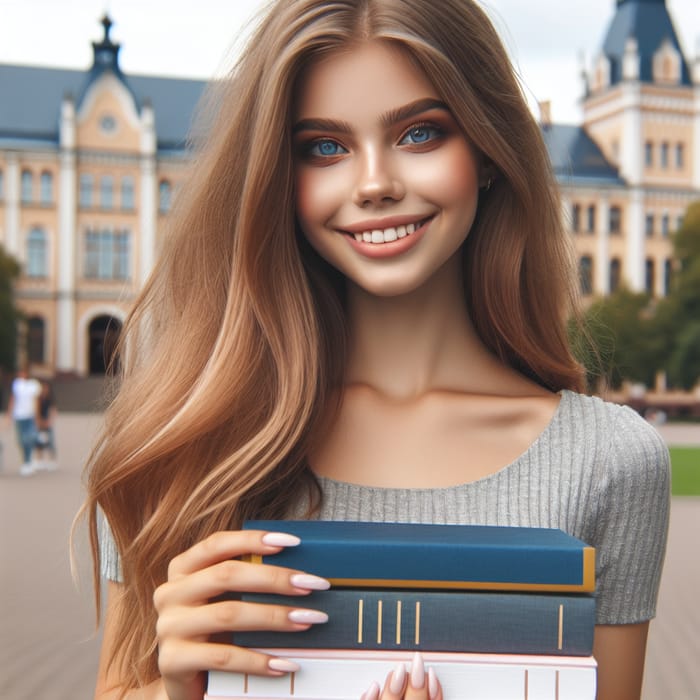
[[283, 665], [417, 672], [309, 582], [308, 617], [397, 679], [372, 692], [280, 539], [433, 686]]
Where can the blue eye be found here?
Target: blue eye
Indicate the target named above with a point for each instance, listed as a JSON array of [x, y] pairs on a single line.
[[325, 148], [422, 133]]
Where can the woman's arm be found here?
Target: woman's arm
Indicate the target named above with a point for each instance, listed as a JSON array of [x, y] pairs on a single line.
[[619, 651]]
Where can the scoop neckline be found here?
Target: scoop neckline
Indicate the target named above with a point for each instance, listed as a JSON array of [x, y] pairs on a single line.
[[565, 395]]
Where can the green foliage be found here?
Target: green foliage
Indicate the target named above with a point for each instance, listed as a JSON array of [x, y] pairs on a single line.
[[685, 471], [9, 315]]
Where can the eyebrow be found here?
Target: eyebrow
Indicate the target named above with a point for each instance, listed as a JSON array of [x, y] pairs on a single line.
[[393, 116]]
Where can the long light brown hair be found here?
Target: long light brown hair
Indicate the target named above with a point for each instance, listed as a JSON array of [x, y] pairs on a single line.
[[233, 356]]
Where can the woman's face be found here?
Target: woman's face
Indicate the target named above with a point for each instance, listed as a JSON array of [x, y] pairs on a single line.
[[386, 183]]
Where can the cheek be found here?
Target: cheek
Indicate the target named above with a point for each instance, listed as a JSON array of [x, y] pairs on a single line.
[[450, 178], [315, 201]]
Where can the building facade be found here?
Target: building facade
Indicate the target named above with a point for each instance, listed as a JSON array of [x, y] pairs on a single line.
[[90, 161]]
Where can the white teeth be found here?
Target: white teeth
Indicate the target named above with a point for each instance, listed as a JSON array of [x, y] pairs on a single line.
[[388, 234]]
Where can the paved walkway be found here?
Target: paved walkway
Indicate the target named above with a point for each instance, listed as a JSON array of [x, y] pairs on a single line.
[[48, 647]]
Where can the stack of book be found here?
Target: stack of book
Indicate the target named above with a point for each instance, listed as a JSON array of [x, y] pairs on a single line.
[[498, 612]]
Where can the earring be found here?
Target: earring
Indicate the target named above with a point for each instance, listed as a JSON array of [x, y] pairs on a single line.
[[488, 184]]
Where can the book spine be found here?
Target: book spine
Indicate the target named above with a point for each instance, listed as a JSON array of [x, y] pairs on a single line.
[[505, 623], [329, 676], [507, 561]]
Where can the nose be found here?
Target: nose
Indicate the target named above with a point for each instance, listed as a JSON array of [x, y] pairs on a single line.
[[377, 181]]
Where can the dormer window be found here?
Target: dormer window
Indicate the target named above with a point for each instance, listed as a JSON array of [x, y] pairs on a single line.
[[666, 65], [601, 73]]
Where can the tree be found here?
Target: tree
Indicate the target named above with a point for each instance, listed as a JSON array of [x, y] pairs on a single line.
[[9, 314]]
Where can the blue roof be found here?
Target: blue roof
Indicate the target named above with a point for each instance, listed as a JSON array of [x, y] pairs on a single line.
[[649, 22], [30, 102], [576, 158]]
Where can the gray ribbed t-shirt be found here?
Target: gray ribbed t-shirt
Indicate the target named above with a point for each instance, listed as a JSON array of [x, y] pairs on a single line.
[[598, 471]]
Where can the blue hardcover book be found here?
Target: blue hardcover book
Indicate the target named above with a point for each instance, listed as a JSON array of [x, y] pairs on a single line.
[[461, 621], [406, 555]]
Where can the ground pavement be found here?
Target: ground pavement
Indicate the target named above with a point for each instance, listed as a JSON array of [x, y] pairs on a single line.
[[48, 648]]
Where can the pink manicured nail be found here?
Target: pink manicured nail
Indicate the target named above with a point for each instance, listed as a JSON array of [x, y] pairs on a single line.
[[372, 692], [397, 679], [280, 539], [308, 617], [283, 665], [309, 582], [433, 685], [417, 672]]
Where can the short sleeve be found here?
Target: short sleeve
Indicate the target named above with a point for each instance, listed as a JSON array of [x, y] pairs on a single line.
[[632, 520], [110, 564]]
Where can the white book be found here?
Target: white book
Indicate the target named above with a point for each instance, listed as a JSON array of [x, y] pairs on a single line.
[[345, 675]]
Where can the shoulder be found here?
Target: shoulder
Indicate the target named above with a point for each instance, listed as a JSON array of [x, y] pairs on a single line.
[[624, 445]]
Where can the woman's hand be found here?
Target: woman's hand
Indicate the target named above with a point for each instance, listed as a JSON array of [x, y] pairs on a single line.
[[189, 616], [407, 684]]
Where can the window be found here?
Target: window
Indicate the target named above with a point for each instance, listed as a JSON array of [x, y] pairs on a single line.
[[648, 154], [665, 225], [615, 220], [36, 340], [27, 187], [668, 275], [128, 193], [165, 191], [46, 188], [590, 216], [649, 225], [576, 218], [615, 269], [106, 192], [36, 253], [649, 274], [85, 193], [679, 222], [664, 155], [107, 254], [679, 156], [586, 274]]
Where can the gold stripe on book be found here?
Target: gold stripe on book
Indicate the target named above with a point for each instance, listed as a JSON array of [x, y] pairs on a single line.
[[360, 618], [398, 623], [379, 621], [417, 637], [560, 639]]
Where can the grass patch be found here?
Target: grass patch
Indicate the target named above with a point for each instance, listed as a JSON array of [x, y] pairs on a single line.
[[685, 469]]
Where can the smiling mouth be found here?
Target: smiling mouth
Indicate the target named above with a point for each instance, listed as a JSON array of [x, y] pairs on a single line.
[[387, 235]]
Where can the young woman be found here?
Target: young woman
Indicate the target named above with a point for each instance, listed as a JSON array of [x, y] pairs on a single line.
[[360, 314]]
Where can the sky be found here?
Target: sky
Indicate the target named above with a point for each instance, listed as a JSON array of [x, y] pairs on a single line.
[[546, 39]]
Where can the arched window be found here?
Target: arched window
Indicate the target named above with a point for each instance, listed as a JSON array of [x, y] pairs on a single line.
[[165, 192], [576, 218], [664, 155], [648, 154], [615, 270], [27, 193], [586, 274], [36, 340], [649, 225], [36, 253], [665, 225], [127, 193], [106, 192], [615, 219], [590, 216], [680, 156], [46, 188], [649, 275], [85, 194], [668, 275]]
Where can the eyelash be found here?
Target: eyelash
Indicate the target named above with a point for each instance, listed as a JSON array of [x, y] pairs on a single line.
[[310, 150]]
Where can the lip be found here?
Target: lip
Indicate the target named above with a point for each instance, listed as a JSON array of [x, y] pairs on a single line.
[[386, 222], [388, 250]]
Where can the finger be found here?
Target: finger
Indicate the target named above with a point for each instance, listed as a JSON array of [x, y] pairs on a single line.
[[181, 658], [228, 544], [417, 687], [234, 616], [231, 576], [434, 686], [395, 683]]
